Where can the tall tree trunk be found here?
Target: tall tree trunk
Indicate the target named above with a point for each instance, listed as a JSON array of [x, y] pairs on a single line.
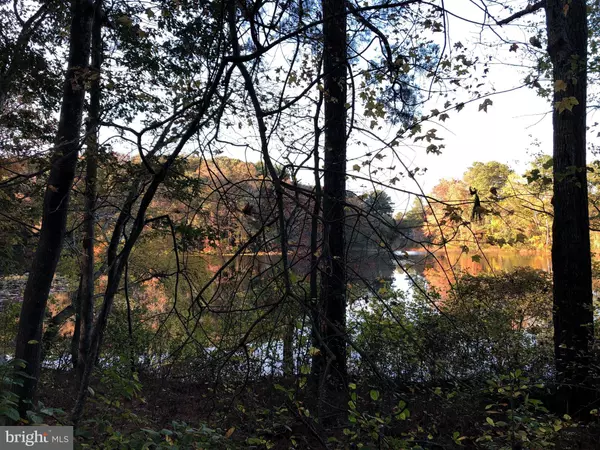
[[315, 309], [571, 260], [91, 155], [56, 202], [333, 277]]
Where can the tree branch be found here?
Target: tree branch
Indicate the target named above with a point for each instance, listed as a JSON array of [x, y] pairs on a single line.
[[531, 8]]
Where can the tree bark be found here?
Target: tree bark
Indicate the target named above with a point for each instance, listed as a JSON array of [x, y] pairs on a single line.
[[288, 347], [313, 301], [571, 260], [91, 155], [56, 202], [333, 275], [76, 302]]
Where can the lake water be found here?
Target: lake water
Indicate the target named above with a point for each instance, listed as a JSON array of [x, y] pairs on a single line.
[[437, 269], [367, 272], [434, 269]]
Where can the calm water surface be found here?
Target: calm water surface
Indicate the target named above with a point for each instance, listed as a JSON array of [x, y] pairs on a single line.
[[436, 269]]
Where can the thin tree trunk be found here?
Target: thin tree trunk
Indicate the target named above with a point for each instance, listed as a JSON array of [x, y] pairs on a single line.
[[288, 347], [114, 276], [315, 306], [77, 331], [91, 155], [129, 320], [571, 259], [333, 276], [56, 202]]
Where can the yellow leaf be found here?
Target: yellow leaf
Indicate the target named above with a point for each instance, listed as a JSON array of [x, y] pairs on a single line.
[[566, 9], [566, 103], [229, 432], [560, 85]]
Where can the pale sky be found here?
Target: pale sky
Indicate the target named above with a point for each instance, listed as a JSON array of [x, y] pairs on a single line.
[[505, 133], [507, 130], [511, 125]]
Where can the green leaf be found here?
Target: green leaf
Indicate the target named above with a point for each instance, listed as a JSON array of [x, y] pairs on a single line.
[[33, 342], [11, 413], [490, 421], [34, 417], [403, 415], [356, 167], [374, 395]]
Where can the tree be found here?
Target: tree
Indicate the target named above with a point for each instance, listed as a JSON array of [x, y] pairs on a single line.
[[369, 222], [158, 164], [85, 303], [448, 209], [567, 31], [56, 201], [484, 176], [410, 223], [332, 373], [571, 259]]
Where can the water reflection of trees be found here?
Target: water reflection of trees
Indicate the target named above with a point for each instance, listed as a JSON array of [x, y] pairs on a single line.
[[439, 270]]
